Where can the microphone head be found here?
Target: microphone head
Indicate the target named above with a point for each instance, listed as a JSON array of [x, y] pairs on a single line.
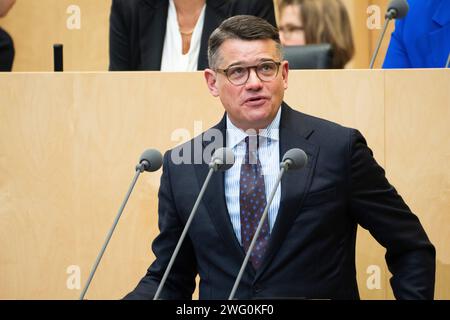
[[151, 159], [222, 159], [397, 9], [295, 159]]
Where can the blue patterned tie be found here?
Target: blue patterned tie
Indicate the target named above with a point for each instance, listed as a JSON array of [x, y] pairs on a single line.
[[252, 199]]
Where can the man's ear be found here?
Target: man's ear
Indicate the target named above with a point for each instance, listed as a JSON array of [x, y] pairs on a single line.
[[211, 82], [285, 73]]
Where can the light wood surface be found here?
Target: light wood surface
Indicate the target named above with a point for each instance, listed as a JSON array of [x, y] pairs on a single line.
[[36, 25], [69, 143], [418, 154]]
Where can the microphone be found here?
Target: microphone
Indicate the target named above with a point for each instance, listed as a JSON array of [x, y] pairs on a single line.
[[397, 9], [58, 57], [150, 160], [293, 159], [222, 160]]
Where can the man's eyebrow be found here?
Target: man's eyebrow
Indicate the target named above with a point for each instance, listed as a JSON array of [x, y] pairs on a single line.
[[239, 63]]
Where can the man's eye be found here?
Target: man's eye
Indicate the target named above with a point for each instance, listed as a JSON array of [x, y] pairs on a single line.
[[236, 72], [266, 67]]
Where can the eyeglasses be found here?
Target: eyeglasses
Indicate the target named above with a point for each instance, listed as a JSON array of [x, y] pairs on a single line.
[[289, 31], [238, 75]]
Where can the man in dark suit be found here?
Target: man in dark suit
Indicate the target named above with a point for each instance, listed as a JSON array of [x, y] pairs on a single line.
[[307, 245], [138, 29]]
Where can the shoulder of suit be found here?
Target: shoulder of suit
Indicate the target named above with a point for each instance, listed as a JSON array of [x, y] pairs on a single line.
[[312, 121], [317, 127]]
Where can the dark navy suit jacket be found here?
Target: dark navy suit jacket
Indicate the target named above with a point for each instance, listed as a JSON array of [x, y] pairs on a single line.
[[422, 38], [311, 251], [138, 29]]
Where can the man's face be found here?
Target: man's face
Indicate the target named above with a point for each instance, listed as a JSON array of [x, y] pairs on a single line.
[[254, 104]]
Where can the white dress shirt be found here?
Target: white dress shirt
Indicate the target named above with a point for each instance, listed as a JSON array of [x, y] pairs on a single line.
[[269, 156], [173, 58]]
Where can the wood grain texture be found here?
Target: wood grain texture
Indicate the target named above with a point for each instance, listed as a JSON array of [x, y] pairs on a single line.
[[418, 154], [36, 25], [69, 143]]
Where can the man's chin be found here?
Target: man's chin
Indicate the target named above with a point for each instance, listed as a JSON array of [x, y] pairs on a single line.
[[258, 121]]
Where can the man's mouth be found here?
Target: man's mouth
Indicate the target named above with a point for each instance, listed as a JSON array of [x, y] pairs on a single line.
[[255, 101]]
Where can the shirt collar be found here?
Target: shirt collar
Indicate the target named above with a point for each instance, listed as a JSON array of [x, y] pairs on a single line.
[[236, 135]]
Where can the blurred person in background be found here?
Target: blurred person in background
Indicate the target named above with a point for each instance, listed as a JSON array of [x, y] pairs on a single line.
[[422, 38], [304, 22], [171, 35], [6, 42]]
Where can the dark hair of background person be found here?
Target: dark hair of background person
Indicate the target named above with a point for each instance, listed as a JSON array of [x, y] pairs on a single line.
[[326, 21], [232, 28]]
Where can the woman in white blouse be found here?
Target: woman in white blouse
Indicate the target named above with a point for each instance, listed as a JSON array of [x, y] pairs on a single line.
[[171, 35]]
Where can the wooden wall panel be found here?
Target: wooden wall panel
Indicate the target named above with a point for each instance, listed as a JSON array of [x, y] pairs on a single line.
[[77, 143], [69, 143], [418, 154], [36, 25]]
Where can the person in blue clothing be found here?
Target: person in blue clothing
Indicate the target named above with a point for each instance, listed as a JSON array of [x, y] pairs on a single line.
[[422, 38]]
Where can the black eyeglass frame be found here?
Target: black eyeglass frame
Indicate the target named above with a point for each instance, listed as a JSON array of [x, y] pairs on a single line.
[[225, 71]]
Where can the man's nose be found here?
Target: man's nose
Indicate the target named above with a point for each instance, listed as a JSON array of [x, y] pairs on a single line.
[[253, 82]]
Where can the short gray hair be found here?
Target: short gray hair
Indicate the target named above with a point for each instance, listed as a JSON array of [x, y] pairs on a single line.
[[242, 27]]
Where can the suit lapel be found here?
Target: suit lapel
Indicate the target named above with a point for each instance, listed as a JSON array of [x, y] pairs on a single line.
[[294, 185], [152, 30], [214, 199]]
